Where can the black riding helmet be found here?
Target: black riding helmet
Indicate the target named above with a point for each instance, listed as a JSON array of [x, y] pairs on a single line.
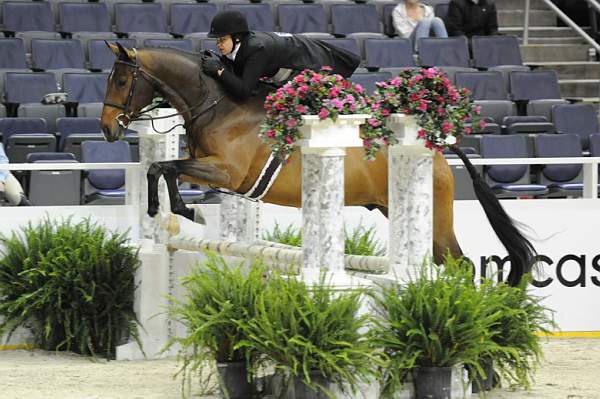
[[228, 22]]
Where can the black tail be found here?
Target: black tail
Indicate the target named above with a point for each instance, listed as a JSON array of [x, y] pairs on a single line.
[[519, 248]]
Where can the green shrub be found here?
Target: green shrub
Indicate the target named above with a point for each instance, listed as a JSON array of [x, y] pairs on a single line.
[[71, 284], [516, 331], [437, 319], [290, 236], [302, 329], [218, 300], [361, 241]]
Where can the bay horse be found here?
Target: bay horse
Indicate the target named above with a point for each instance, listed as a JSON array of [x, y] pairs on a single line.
[[226, 151]]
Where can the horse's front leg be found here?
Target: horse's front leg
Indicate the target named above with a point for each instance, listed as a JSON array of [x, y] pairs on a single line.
[[152, 176], [203, 169]]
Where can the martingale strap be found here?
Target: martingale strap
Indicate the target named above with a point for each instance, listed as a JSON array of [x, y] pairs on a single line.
[[266, 178]]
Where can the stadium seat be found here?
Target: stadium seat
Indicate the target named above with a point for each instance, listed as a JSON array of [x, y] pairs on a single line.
[[49, 54], [368, 80], [82, 128], [22, 136], [539, 90], [302, 18], [54, 187], [87, 90], [84, 17], [189, 18], [491, 51], [389, 53], [179, 44], [105, 187], [258, 15], [579, 119], [347, 44], [452, 51], [12, 54], [100, 56], [562, 180], [352, 18], [140, 17], [19, 16], [509, 181]]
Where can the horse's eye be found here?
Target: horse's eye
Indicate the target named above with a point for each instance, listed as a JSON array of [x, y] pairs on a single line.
[[121, 82]]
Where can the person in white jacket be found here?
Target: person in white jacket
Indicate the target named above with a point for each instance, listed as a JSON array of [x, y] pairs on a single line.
[[414, 20], [10, 188]]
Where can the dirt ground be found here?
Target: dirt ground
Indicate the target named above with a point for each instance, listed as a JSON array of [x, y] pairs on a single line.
[[571, 370]]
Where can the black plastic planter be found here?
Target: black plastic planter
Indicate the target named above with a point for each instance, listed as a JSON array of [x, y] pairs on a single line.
[[433, 382], [233, 378], [484, 383], [302, 391]]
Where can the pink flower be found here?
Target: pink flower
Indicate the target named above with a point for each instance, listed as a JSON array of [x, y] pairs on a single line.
[[352, 107], [270, 133], [375, 106], [366, 143], [316, 78], [468, 130], [301, 109], [358, 88], [323, 113], [337, 103], [430, 73], [482, 124], [422, 106], [478, 109], [396, 81], [428, 145], [373, 122], [447, 127], [349, 99], [291, 123], [421, 133], [290, 91], [299, 79], [385, 112], [418, 78], [326, 68], [289, 140], [334, 92], [303, 89]]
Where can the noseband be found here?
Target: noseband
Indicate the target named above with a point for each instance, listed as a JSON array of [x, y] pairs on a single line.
[[127, 116]]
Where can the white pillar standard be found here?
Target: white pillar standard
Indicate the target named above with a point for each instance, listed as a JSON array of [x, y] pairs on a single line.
[[410, 198], [323, 146], [239, 219]]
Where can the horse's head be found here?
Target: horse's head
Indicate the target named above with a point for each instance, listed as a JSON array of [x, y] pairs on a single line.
[[126, 93]]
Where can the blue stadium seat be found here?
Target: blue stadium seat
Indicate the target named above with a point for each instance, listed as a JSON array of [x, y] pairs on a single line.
[[18, 16], [386, 53], [300, 18], [54, 187], [351, 18], [539, 90], [491, 51], [84, 17], [24, 93], [578, 119], [22, 136], [105, 187], [259, 15], [483, 85], [140, 17], [57, 54], [388, 23], [190, 18], [86, 89], [348, 44], [452, 51], [74, 131], [12, 54], [562, 180], [509, 181]]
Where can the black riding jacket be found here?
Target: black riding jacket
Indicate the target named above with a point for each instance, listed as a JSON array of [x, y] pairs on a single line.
[[262, 54], [466, 18]]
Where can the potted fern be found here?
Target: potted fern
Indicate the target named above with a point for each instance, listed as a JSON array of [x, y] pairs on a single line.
[[219, 300], [516, 334], [71, 283], [435, 323], [313, 335]]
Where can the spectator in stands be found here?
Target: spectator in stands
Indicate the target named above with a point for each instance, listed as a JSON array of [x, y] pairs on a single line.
[[414, 20], [9, 185], [472, 17], [247, 56]]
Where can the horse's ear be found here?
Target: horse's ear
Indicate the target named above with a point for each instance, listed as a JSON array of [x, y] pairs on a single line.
[[113, 48], [123, 53]]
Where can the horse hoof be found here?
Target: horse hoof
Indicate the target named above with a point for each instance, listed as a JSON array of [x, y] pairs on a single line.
[[152, 211]]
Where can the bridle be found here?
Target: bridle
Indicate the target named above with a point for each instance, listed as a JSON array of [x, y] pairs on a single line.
[[127, 116]]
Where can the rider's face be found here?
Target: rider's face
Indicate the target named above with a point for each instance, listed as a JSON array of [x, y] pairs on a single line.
[[225, 44]]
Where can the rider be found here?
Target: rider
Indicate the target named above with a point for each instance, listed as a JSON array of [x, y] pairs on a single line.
[[248, 56]]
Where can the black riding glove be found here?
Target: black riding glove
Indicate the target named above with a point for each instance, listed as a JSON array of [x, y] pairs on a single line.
[[211, 66]]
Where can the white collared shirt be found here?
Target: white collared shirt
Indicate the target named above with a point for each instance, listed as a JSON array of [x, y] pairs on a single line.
[[232, 55]]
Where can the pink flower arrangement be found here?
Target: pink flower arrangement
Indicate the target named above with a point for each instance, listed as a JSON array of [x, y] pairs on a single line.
[[309, 93], [441, 110]]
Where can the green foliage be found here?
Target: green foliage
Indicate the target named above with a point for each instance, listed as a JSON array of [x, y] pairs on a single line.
[[290, 236], [361, 241], [303, 329], [71, 284], [219, 300], [437, 319], [516, 332]]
